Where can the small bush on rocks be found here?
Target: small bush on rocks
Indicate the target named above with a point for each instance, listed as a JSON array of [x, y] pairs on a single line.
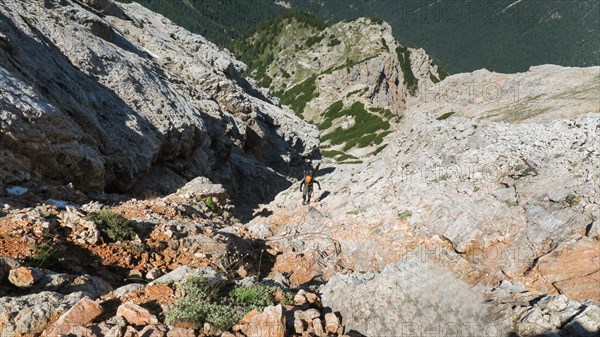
[[44, 255], [211, 204], [255, 295], [207, 302], [112, 225]]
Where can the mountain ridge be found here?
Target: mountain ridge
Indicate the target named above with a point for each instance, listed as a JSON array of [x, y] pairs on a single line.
[[351, 79], [521, 33]]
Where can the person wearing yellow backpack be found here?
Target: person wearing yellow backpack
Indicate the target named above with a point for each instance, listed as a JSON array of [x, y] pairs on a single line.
[[306, 186]]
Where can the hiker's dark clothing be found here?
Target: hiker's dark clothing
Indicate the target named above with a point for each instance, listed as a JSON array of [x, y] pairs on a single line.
[[307, 189]]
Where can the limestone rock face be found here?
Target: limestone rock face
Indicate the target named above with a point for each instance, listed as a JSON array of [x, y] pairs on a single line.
[[544, 93], [109, 96], [492, 191], [413, 295]]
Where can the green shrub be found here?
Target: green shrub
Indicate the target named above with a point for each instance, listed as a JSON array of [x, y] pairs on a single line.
[[254, 295], [200, 305], [207, 302], [366, 140], [334, 41], [265, 81], [445, 116], [331, 153], [359, 92], [299, 95], [379, 139], [330, 115], [404, 214], [387, 113], [112, 225], [375, 20], [211, 204], [410, 81], [379, 149], [385, 45], [366, 124], [345, 157], [311, 41], [197, 311], [44, 255]]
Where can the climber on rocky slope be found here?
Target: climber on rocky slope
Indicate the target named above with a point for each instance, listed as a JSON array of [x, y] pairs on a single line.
[[306, 186]]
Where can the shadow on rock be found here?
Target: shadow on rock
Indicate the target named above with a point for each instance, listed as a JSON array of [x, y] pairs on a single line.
[[323, 195]]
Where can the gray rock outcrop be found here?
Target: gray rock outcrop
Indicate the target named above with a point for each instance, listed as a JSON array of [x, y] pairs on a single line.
[[111, 96], [412, 297], [32, 313]]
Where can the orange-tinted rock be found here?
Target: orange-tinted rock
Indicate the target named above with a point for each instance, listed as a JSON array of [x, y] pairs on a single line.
[[248, 317], [181, 332], [80, 331], [131, 332], [317, 326], [573, 270], [313, 299], [82, 313], [271, 322], [332, 323], [158, 290], [135, 314], [279, 295], [24, 277], [153, 331], [301, 267]]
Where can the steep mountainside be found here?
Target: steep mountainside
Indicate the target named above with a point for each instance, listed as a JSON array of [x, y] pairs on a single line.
[[351, 79], [124, 100], [477, 216], [499, 189]]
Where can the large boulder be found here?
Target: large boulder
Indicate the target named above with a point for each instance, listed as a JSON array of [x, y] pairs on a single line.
[[411, 297], [82, 313], [31, 314]]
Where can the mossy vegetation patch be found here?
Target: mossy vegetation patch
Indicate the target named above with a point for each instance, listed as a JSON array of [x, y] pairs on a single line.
[[365, 131]]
